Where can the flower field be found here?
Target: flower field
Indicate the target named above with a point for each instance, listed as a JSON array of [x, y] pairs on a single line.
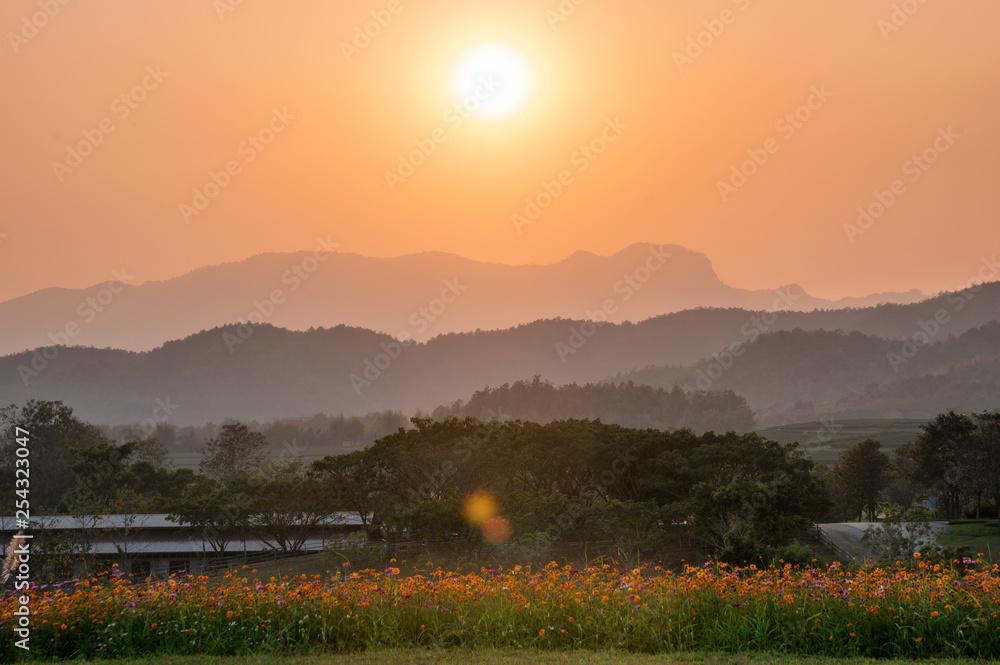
[[916, 609]]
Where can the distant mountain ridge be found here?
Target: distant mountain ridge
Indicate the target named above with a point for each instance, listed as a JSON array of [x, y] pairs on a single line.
[[264, 372], [419, 296]]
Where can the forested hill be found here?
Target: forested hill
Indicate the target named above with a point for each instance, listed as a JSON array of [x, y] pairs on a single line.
[[790, 376], [264, 372], [626, 404]]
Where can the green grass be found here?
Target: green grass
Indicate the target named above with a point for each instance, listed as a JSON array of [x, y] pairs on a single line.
[[823, 441], [484, 657], [982, 536]]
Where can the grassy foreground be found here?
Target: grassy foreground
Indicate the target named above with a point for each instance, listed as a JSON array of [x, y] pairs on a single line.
[[914, 609], [483, 657], [980, 537]]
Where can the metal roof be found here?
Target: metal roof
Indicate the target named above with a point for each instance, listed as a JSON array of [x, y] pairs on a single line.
[[190, 547], [141, 521]]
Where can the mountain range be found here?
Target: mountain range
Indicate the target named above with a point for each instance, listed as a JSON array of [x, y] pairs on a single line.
[[781, 361], [418, 296]]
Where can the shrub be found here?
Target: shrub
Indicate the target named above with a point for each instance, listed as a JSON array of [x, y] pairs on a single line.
[[797, 554]]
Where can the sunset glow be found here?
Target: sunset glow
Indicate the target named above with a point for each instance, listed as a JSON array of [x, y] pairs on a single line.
[[701, 88], [493, 81]]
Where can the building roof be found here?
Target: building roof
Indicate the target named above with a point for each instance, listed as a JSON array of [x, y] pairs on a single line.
[[151, 547], [141, 521]]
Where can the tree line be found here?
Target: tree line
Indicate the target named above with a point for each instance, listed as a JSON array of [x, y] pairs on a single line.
[[955, 459], [567, 481], [624, 403]]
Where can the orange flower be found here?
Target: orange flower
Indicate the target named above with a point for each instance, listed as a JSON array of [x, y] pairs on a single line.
[[541, 632]]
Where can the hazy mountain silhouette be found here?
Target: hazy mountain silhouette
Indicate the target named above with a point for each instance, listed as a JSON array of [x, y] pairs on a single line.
[[790, 374], [404, 295], [265, 372]]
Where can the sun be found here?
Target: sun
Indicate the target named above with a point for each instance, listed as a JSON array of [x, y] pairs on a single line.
[[493, 81]]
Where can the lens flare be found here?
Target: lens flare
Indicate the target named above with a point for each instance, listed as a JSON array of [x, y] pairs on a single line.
[[479, 507], [497, 530]]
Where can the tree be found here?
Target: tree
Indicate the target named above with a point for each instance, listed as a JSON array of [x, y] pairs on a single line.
[[159, 484], [861, 476], [151, 450], [753, 489], [236, 451], [987, 457], [287, 504], [100, 471], [436, 459], [216, 510], [903, 490], [130, 510], [940, 461], [355, 481], [52, 430]]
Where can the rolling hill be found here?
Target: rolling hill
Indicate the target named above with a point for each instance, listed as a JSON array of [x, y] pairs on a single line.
[[787, 374]]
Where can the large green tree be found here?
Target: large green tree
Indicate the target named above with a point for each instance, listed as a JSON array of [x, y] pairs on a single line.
[[356, 482], [52, 431], [287, 504], [219, 512], [941, 456], [100, 470], [861, 476]]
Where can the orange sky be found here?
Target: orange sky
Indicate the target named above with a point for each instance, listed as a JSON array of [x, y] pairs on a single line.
[[682, 127]]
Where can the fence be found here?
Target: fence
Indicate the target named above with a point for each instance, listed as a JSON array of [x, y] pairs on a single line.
[[842, 555]]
